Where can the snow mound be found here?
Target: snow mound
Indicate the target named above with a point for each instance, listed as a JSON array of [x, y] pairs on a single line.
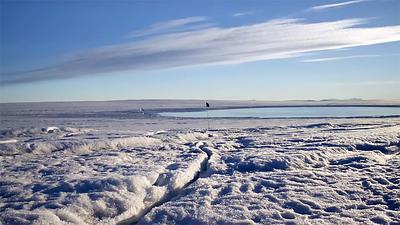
[[8, 141], [309, 174], [35, 131], [191, 136], [97, 181], [315, 173], [44, 145]]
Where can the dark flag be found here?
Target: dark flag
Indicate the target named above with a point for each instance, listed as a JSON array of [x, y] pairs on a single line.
[[207, 105]]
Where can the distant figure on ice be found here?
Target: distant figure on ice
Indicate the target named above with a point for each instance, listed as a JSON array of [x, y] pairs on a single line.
[[141, 110], [208, 119]]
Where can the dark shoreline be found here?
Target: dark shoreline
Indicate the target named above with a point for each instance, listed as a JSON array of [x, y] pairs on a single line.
[[282, 118], [265, 106]]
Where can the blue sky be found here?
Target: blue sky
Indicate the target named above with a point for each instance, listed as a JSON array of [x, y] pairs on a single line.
[[263, 50]]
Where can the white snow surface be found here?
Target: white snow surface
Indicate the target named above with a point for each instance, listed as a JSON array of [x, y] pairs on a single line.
[[315, 174], [322, 173], [114, 170], [59, 179]]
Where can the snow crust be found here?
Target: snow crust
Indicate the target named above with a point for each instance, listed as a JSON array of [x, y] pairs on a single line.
[[320, 173], [325, 171], [59, 179]]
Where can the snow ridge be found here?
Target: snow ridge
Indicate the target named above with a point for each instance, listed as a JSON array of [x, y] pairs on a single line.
[[168, 186], [177, 182], [294, 175], [316, 173]]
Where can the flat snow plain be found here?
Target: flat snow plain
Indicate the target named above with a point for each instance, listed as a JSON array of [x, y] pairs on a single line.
[[62, 163]]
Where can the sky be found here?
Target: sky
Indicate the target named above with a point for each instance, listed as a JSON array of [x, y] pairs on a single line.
[[236, 50]]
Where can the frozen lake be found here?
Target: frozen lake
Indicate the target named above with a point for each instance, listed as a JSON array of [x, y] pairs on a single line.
[[291, 112]]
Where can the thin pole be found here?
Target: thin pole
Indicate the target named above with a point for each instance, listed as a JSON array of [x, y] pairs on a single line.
[[208, 121]]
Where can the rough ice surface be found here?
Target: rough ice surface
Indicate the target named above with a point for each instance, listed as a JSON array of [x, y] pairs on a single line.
[[320, 171], [299, 175], [87, 179]]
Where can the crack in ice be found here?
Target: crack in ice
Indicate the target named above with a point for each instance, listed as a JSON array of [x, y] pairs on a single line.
[[170, 195]]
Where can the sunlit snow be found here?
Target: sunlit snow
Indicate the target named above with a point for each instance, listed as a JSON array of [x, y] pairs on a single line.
[[82, 171]]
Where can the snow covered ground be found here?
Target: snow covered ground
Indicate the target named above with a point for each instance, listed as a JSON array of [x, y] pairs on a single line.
[[107, 168], [315, 174]]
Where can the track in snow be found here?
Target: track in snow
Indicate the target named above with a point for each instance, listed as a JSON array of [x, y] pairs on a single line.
[[171, 195]]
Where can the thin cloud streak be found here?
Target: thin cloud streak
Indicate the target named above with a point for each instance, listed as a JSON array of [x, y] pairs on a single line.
[[242, 14], [183, 24], [338, 58], [274, 39], [335, 5]]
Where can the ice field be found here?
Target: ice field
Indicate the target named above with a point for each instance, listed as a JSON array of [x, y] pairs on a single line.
[[66, 166]]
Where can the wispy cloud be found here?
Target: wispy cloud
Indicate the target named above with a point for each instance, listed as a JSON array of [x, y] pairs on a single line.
[[241, 14], [338, 58], [335, 5], [274, 39], [183, 24]]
